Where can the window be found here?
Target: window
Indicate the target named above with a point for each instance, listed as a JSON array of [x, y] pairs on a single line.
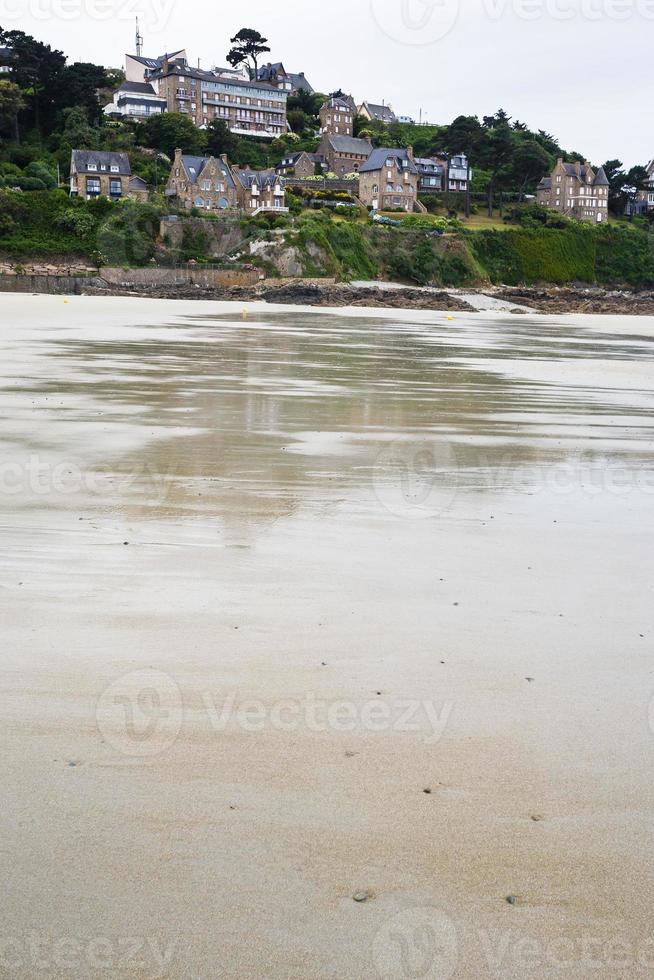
[[375, 188], [92, 186], [115, 188], [93, 166], [115, 169]]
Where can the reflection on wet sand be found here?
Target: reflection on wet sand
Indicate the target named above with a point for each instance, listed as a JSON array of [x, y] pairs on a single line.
[[234, 551]]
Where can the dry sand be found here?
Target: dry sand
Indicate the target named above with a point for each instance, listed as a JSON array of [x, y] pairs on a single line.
[[268, 575]]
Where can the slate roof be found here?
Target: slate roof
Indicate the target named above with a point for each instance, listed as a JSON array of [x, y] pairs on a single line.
[[6, 54], [377, 160], [82, 158], [262, 178], [195, 165], [349, 144], [140, 88], [601, 180], [212, 76], [137, 183], [427, 163], [545, 184], [298, 80], [382, 113]]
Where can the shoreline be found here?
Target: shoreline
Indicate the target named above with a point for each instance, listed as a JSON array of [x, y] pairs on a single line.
[[516, 300]]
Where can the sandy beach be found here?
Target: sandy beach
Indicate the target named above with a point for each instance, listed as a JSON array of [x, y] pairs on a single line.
[[327, 642]]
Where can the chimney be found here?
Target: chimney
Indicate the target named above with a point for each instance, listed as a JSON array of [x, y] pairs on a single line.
[[223, 157], [409, 152]]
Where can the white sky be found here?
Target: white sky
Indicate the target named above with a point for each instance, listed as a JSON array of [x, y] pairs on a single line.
[[577, 68]]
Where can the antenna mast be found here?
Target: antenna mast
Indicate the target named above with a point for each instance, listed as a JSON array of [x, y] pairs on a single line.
[[139, 40]]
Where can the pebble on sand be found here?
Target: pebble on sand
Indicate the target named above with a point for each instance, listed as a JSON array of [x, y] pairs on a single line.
[[361, 896]]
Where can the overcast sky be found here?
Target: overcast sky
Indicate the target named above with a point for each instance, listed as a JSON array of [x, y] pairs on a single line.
[[580, 69]]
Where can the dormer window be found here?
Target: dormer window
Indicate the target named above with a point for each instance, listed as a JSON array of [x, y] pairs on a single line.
[[93, 166], [114, 169]]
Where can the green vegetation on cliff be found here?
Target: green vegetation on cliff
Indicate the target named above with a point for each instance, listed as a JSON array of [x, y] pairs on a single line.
[[419, 249]]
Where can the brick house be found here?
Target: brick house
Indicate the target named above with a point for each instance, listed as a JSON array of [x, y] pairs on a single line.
[[248, 108], [96, 173], [259, 190], [300, 164], [202, 182], [575, 190], [388, 180]]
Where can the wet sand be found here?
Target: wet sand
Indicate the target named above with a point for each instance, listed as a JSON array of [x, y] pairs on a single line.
[[268, 575]]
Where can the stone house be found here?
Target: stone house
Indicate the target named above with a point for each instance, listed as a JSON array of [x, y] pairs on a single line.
[[343, 154], [96, 173], [337, 116], [300, 164], [259, 190], [388, 180], [202, 182], [575, 190]]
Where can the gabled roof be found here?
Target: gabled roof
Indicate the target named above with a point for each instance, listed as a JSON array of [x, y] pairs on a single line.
[[137, 183], [340, 104], [383, 113], [298, 80], [81, 159], [377, 160], [429, 163], [349, 144], [545, 184], [262, 178], [194, 167]]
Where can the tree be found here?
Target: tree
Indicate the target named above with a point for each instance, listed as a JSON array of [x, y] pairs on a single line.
[[617, 178], [634, 182], [530, 163], [78, 86], [169, 130], [496, 151], [247, 45], [11, 103], [37, 69], [77, 132], [220, 139], [464, 136]]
